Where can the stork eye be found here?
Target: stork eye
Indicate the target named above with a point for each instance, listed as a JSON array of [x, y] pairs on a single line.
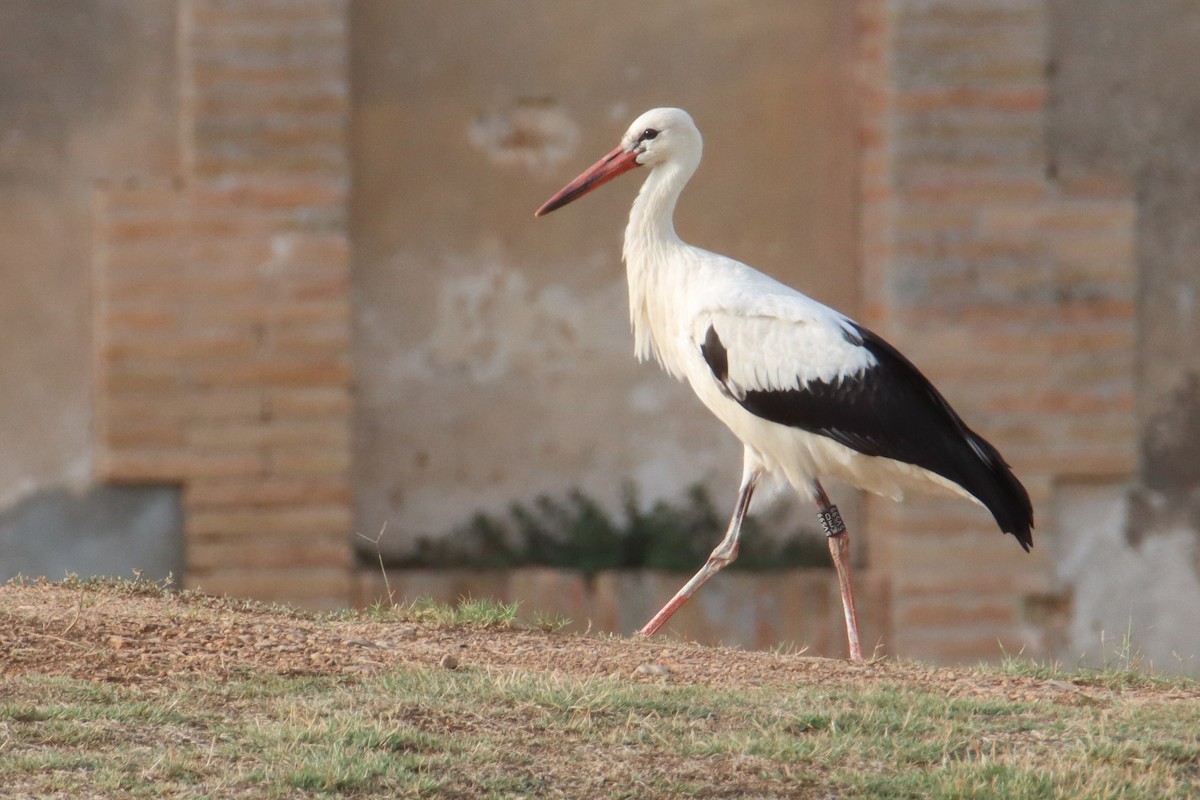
[[649, 133]]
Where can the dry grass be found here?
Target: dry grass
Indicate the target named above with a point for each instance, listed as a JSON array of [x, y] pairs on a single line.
[[126, 690]]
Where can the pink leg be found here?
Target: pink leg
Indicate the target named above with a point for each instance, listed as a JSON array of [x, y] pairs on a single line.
[[721, 557], [839, 548]]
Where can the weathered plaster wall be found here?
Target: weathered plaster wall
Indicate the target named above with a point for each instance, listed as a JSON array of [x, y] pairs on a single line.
[[493, 356], [1125, 90], [87, 99], [101, 109], [1126, 604]]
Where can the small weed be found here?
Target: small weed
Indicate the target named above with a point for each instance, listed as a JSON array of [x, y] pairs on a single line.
[[549, 622], [469, 612], [137, 586], [1016, 665], [379, 611]]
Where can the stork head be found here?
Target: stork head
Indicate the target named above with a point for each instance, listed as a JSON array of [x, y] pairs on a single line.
[[660, 136]]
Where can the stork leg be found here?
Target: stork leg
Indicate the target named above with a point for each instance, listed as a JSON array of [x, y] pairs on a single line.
[[724, 555], [839, 548]]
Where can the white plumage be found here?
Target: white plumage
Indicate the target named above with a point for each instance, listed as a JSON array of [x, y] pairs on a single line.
[[777, 337], [808, 391]]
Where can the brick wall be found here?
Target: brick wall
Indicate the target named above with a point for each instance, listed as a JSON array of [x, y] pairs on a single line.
[[222, 312], [1013, 291]]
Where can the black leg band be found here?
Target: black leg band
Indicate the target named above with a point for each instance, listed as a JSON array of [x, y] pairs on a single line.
[[831, 521]]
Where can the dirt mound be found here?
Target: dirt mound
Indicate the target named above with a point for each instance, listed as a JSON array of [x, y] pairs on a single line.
[[136, 632]]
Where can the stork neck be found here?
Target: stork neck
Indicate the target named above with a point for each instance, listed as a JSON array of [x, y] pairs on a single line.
[[652, 220], [650, 242]]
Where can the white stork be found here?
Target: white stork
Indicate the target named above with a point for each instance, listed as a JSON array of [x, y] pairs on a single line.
[[809, 392]]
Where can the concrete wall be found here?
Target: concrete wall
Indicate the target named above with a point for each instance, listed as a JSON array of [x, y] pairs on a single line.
[[493, 358]]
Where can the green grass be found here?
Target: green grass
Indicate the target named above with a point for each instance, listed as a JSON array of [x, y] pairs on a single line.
[[1122, 669], [468, 612], [418, 733]]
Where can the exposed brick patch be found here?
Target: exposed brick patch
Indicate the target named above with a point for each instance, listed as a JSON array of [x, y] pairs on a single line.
[[222, 310], [1013, 293]]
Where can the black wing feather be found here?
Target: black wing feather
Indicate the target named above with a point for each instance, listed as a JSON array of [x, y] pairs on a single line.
[[893, 411]]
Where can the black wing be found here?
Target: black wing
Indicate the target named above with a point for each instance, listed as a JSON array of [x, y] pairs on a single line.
[[893, 411]]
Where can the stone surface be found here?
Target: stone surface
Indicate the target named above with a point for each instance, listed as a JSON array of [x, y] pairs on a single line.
[[113, 531]]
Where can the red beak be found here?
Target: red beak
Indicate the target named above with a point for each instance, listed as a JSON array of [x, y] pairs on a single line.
[[618, 162]]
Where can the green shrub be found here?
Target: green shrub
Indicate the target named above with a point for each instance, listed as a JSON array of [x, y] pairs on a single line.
[[576, 533]]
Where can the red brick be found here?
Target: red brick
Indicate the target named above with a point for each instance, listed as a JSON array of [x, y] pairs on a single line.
[[300, 461], [277, 553], [143, 321], [964, 647], [1090, 215], [240, 101], [961, 97], [1097, 186], [116, 201], [312, 341], [267, 492], [218, 70], [948, 188], [178, 349], [267, 432], [1095, 254], [286, 194], [166, 466], [252, 158], [171, 228], [1061, 402], [310, 401], [302, 311], [280, 35], [277, 372], [138, 376], [124, 433], [245, 404], [322, 249], [299, 520], [302, 16], [309, 587], [444, 586], [969, 585], [942, 615]]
